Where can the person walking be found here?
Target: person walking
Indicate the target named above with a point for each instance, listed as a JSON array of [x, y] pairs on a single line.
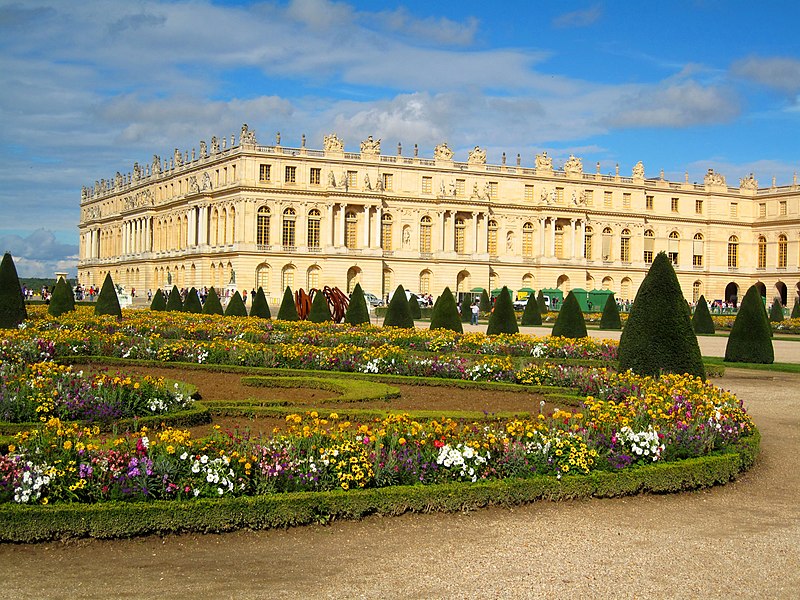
[[475, 310]]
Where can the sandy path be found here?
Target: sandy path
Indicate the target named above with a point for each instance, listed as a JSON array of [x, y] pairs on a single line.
[[740, 540]]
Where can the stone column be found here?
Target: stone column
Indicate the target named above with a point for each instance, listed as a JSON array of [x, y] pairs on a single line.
[[583, 238], [330, 236], [572, 223], [542, 225], [202, 229], [378, 236], [366, 225], [552, 236], [343, 225], [475, 230]]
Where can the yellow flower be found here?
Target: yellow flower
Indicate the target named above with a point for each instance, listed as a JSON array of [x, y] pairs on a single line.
[[68, 445]]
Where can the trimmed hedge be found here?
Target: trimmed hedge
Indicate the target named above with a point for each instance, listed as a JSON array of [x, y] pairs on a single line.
[[701, 319], [212, 305], [350, 390], [236, 307], [260, 306], [288, 309], [159, 302], [193, 304], [776, 311], [107, 302], [61, 301], [610, 317], [531, 316], [570, 322], [12, 304], [174, 302], [796, 309], [357, 311], [445, 313], [398, 314], [413, 307], [320, 311], [503, 318], [750, 340]]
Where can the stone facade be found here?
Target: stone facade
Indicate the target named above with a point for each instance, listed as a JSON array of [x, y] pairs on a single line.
[[272, 216]]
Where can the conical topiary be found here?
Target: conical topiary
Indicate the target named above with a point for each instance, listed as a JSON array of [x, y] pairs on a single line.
[[288, 309], [542, 304], [466, 309], [320, 311], [413, 307], [60, 300], [159, 301], [12, 304], [398, 313], [260, 306], [445, 313], [192, 303], [357, 310], [503, 318], [610, 317], [531, 315], [486, 302], [658, 336], [750, 340], [796, 309], [701, 319], [174, 302], [212, 305], [570, 322], [236, 307], [70, 295], [776, 312], [107, 302]]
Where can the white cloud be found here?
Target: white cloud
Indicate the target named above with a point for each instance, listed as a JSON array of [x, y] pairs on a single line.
[[779, 73], [579, 18], [40, 254]]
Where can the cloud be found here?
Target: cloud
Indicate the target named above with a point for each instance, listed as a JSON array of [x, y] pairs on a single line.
[[40, 254], [579, 18], [436, 30], [779, 73]]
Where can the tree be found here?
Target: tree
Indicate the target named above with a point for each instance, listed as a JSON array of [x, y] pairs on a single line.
[[776, 311], [320, 311], [236, 307], [288, 310], [531, 314], [60, 300], [12, 304], [610, 317], [466, 309], [503, 318], [701, 319], [658, 336], [260, 306], [796, 309], [413, 307], [212, 304], [159, 302], [486, 302], [357, 310], [398, 313], [570, 322], [174, 302], [542, 304], [107, 302], [192, 303], [445, 313], [750, 339]]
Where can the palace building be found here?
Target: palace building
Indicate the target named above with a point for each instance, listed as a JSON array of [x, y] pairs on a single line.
[[252, 215]]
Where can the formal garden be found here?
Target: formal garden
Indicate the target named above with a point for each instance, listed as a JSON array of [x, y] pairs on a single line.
[[120, 423]]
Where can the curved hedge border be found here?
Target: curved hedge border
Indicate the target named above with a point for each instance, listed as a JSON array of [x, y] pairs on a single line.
[[350, 390], [119, 520]]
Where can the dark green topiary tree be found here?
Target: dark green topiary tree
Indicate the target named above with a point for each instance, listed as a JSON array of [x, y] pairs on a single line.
[[174, 302], [288, 309], [658, 336], [357, 310], [260, 306], [445, 313], [776, 312], [398, 314], [610, 317], [503, 318], [212, 304], [701, 319], [466, 309], [12, 304], [486, 302], [750, 339], [413, 307], [159, 301], [60, 300], [107, 302], [320, 311], [531, 316], [796, 309], [542, 304], [236, 307], [192, 303], [570, 322]]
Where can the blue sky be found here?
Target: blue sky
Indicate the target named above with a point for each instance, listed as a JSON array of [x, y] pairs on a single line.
[[90, 87]]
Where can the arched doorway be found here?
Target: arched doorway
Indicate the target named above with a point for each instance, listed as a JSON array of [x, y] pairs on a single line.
[[563, 284], [353, 277], [462, 282], [608, 283], [781, 292], [762, 289], [732, 293]]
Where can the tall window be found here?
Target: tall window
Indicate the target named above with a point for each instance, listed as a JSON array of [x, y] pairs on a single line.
[[560, 195], [672, 249], [648, 202], [762, 252], [313, 228], [782, 208], [587, 243], [762, 209], [607, 199], [350, 225], [733, 252], [315, 176], [386, 231], [649, 244], [313, 278], [528, 197], [491, 240], [427, 185], [262, 226], [387, 181], [492, 189], [696, 287], [264, 172], [460, 237], [697, 250], [626, 200], [674, 204], [589, 197], [527, 239], [461, 186], [262, 276], [425, 227], [782, 251], [352, 179], [607, 243], [291, 175], [698, 206], [288, 237], [288, 278], [425, 282], [625, 246], [559, 245]]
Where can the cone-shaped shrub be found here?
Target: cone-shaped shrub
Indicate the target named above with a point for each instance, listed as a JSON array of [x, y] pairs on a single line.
[[288, 310], [570, 322], [260, 306], [486, 302], [320, 311], [796, 309], [610, 317], [159, 301], [236, 307], [503, 318], [776, 312], [212, 304], [398, 314], [750, 339], [413, 307], [60, 300], [107, 302], [531, 315], [658, 335], [174, 302], [357, 311], [12, 304], [701, 319], [542, 304], [445, 313], [466, 309], [193, 304]]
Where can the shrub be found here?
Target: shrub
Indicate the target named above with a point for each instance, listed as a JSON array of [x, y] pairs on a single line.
[[531, 315], [288, 310], [60, 300], [193, 304], [701, 319], [750, 339], [107, 302], [398, 313], [357, 310], [12, 304], [413, 307], [610, 317], [260, 306], [570, 322], [542, 304], [796, 309], [236, 307], [320, 311], [486, 302], [503, 318], [445, 313], [658, 335], [174, 302], [776, 311], [159, 302], [212, 304]]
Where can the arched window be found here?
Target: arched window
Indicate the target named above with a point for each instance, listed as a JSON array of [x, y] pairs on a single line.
[[289, 222], [287, 277], [491, 239], [232, 224], [782, 251], [697, 250], [696, 291], [762, 252], [672, 249], [386, 231], [387, 282], [492, 280], [460, 237], [425, 227], [625, 246], [733, 252], [262, 276], [425, 282], [350, 230], [262, 226], [625, 288], [587, 243], [649, 244], [607, 244], [313, 237], [313, 277], [527, 239]]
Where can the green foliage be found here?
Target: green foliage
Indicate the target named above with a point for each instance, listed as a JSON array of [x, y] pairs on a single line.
[[466, 309], [212, 305], [570, 322], [658, 335], [776, 311], [445, 313], [357, 310], [413, 307], [260, 306], [750, 340], [193, 304], [531, 315], [174, 302], [503, 318], [236, 307], [796, 309], [159, 301], [12, 304], [486, 302], [107, 302], [60, 300], [288, 309], [320, 311], [701, 319], [610, 317], [540, 301], [398, 313]]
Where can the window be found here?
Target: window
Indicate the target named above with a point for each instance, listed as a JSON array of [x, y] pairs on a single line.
[[492, 190], [315, 176], [291, 175], [461, 185], [559, 241], [782, 251], [589, 197], [648, 202], [674, 204], [734, 209], [263, 173], [425, 282], [352, 179], [607, 244], [288, 237], [427, 185], [560, 195], [425, 226], [587, 243], [313, 278], [460, 241], [387, 181], [350, 225], [313, 228], [733, 252], [698, 206], [762, 210], [649, 243], [672, 250], [386, 231], [696, 286], [697, 250], [262, 226], [607, 199], [625, 246], [262, 277], [626, 200], [527, 239], [491, 240], [782, 208], [762, 252], [528, 197], [288, 278]]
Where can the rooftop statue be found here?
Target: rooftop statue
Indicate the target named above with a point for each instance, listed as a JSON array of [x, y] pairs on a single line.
[[332, 143], [442, 152], [477, 156]]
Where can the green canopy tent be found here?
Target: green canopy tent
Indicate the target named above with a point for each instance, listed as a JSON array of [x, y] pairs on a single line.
[[554, 296], [598, 299], [523, 293], [582, 296]]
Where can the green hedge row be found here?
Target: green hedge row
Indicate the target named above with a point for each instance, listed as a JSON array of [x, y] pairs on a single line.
[[121, 520], [350, 390]]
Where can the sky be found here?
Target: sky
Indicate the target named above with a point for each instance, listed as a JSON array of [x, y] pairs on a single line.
[[88, 88]]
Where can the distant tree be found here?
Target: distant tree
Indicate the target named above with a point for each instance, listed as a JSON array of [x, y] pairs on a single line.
[[413, 307], [357, 310], [260, 306], [159, 302], [212, 305], [320, 311], [486, 302], [750, 340], [288, 309], [541, 302], [12, 304], [776, 311], [107, 302], [503, 318], [398, 313], [701, 319], [531, 315], [236, 307], [466, 309], [570, 322], [445, 313], [174, 302], [60, 300], [610, 317], [796, 309]]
